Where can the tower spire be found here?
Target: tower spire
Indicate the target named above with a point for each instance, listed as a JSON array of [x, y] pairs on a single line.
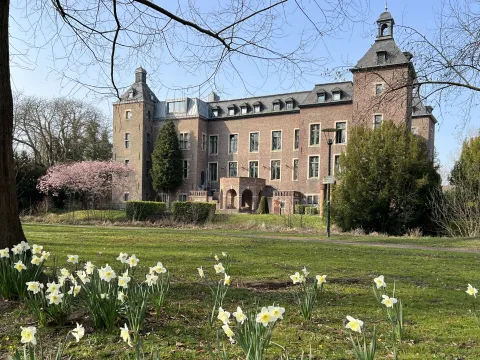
[[386, 5]]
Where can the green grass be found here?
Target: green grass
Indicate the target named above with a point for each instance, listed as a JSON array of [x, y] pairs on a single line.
[[431, 284]]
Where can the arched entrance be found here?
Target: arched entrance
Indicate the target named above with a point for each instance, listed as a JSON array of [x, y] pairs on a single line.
[[247, 197], [230, 199]]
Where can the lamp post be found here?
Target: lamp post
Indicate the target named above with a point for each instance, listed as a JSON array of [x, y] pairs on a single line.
[[329, 134]]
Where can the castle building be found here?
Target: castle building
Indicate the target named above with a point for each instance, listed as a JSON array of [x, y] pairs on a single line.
[[235, 151]]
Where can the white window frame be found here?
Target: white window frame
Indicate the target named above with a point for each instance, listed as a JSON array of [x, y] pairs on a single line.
[[308, 166], [249, 140], [258, 168], [294, 148], [215, 112], [279, 106], [333, 162], [271, 140], [334, 93], [183, 168], [243, 110], [310, 134], [312, 196], [228, 168], [209, 175], [184, 142], [126, 140], [231, 109], [346, 131], [324, 98], [257, 109], [180, 197], [375, 88], [238, 137], [271, 167], [375, 115], [293, 168], [128, 111], [174, 101], [204, 142], [209, 142], [288, 104]]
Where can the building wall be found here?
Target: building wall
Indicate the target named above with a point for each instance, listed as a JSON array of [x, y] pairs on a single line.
[[425, 128]]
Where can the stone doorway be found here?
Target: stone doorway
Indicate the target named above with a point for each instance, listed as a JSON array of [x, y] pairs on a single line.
[[230, 199], [247, 200]]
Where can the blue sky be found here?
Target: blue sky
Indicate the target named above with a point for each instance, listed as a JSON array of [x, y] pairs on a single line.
[[33, 75]]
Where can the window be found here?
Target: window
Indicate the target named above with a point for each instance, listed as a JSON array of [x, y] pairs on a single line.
[[213, 144], [336, 164], [231, 111], [149, 115], [130, 94], [127, 140], [185, 169], [381, 57], [277, 140], [378, 121], [176, 106], [385, 30], [233, 143], [312, 200], [204, 142], [313, 166], [275, 170], [276, 106], [336, 95], [321, 97], [232, 169], [378, 89], [184, 143], [289, 105], [314, 134], [182, 197], [254, 137], [253, 169], [127, 162], [296, 139], [128, 114], [148, 141], [244, 110], [215, 112], [341, 134], [126, 196], [212, 171], [295, 170], [256, 108]]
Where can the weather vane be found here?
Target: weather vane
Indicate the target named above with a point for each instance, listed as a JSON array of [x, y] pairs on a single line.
[[386, 5]]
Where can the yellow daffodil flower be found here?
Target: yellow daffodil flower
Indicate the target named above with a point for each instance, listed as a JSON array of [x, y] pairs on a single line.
[[37, 249], [379, 281], [28, 335], [264, 317], [227, 280], [4, 253], [72, 259], [239, 315], [388, 301], [219, 268], [472, 291], [354, 324], [276, 312], [321, 279], [223, 316], [19, 266]]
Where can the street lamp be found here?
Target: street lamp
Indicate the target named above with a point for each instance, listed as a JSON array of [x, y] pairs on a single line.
[[329, 134]]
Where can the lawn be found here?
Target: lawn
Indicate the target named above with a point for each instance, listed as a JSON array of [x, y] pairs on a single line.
[[430, 283]]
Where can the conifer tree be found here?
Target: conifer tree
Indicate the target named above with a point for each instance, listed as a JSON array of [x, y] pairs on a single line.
[[167, 158]]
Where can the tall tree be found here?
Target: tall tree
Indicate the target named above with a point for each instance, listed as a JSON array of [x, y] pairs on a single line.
[[167, 160], [467, 168]]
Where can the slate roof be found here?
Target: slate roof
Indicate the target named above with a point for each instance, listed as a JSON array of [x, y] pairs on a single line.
[[419, 109], [394, 55], [346, 89], [141, 92], [385, 16]]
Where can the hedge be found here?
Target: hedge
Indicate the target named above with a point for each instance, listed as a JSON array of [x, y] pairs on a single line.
[[306, 209], [144, 210], [192, 212], [263, 206]]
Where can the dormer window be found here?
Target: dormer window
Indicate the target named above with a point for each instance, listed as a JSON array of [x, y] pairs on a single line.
[[244, 109], [130, 94], [381, 57], [215, 112], [231, 110], [336, 94], [321, 97], [256, 107], [276, 105], [289, 104]]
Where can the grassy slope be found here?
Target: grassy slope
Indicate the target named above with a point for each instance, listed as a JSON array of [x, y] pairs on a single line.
[[431, 284]]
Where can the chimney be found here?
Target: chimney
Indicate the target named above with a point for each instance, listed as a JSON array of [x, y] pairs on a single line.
[[141, 75], [212, 97]]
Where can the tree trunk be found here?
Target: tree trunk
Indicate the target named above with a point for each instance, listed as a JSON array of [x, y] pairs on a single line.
[[11, 232]]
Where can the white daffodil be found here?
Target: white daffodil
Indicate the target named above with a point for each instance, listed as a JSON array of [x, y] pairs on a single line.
[[239, 315], [276, 312], [125, 335], [159, 268], [104, 296], [124, 280], [34, 286], [24, 246], [305, 271], [321, 279], [224, 254], [151, 279], [228, 331], [296, 278], [121, 296], [82, 275], [61, 280], [28, 335], [89, 267], [72, 259], [216, 257], [19, 266], [45, 255], [37, 249], [78, 332], [106, 273], [379, 281], [472, 291], [74, 290], [223, 316], [17, 249], [55, 298], [36, 260], [388, 301], [354, 324], [52, 287], [200, 272], [64, 272], [264, 317], [227, 280], [133, 261], [219, 268], [4, 253], [123, 258]]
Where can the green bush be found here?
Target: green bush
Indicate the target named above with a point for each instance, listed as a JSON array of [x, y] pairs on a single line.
[[192, 212], [263, 206], [299, 209], [144, 210], [311, 210]]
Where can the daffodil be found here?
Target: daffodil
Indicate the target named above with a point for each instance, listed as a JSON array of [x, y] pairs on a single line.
[[55, 298], [19, 266], [354, 324], [36, 260], [296, 278], [216, 257], [34, 286], [224, 254], [276, 312], [123, 258], [61, 280], [64, 272], [45, 255], [78, 332], [159, 268], [388, 301], [219, 268], [133, 261], [472, 291], [104, 296], [305, 271], [124, 280], [89, 267], [52, 287], [200, 272], [106, 273], [24, 246], [264, 317], [227, 280], [37, 249], [321, 279], [379, 281], [4, 253], [151, 279], [125, 335], [228, 331], [72, 259], [17, 249], [28, 335], [239, 315], [121, 296], [82, 275], [74, 290], [223, 316]]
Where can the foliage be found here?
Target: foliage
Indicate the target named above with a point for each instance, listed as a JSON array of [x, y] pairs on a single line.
[[466, 171], [27, 173], [193, 212], [167, 160], [311, 210], [144, 210], [308, 291], [385, 183], [263, 206]]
